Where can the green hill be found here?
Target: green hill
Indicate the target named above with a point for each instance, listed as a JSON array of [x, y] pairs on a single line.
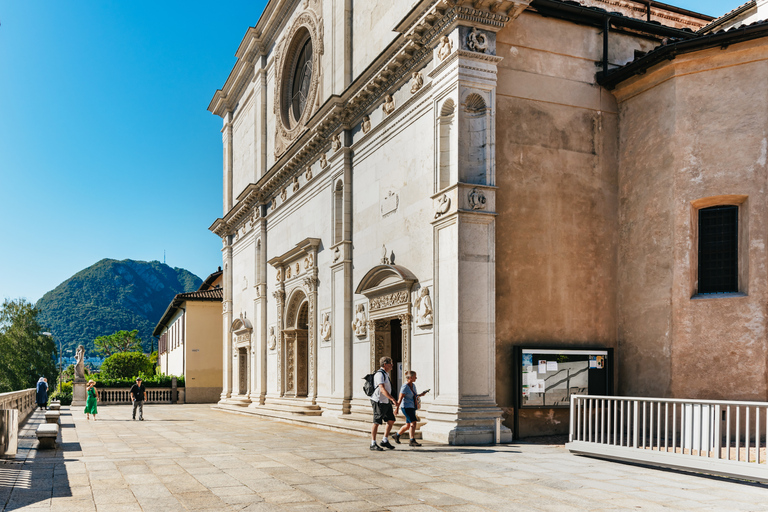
[[110, 296]]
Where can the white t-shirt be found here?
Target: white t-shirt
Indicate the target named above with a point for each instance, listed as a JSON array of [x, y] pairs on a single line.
[[381, 377]]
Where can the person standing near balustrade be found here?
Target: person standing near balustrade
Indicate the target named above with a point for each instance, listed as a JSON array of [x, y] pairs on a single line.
[[138, 394]]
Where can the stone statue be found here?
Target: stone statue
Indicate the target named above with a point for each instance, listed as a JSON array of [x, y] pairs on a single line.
[[445, 48], [443, 206], [359, 325], [423, 306], [325, 327], [366, 124], [335, 142], [384, 255], [323, 161], [272, 343], [416, 81], [389, 104], [296, 184], [80, 363]]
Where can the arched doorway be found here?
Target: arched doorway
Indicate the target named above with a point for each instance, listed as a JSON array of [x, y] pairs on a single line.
[[295, 346], [388, 289], [241, 331]]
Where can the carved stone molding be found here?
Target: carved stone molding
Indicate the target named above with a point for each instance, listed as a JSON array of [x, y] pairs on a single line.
[[296, 184], [389, 300], [323, 161], [477, 199], [477, 41], [308, 174], [443, 206]]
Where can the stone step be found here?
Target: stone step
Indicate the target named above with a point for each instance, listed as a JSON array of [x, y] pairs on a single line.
[[356, 424]]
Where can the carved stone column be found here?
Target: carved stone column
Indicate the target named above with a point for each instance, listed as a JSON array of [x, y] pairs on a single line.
[[405, 326], [279, 296], [226, 307], [310, 283]]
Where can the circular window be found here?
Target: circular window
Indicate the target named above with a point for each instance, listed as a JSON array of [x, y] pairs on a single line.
[[302, 77]]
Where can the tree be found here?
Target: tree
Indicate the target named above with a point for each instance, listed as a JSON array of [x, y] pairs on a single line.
[[120, 341], [25, 354], [126, 365]]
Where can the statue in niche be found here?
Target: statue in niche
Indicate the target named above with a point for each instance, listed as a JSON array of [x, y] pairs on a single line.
[[323, 161], [366, 125], [295, 183], [336, 142], [423, 305], [80, 363], [476, 41], [272, 342], [477, 199], [325, 327], [389, 104], [445, 48], [416, 82], [443, 205], [359, 325]]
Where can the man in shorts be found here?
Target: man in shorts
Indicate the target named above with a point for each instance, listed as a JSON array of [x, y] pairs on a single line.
[[382, 401]]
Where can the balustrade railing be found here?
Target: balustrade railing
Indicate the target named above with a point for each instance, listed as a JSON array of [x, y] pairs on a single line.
[[714, 436], [109, 396], [23, 401]]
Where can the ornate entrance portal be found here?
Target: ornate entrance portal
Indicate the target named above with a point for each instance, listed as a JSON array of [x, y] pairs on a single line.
[[388, 289], [295, 345]]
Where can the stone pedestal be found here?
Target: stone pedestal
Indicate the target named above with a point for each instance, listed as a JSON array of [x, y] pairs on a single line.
[[78, 393]]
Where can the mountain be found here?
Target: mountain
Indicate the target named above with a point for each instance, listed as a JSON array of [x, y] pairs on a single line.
[[111, 296]]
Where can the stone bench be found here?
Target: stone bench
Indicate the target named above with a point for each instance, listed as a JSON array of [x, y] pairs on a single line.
[[52, 416], [47, 434], [54, 406]]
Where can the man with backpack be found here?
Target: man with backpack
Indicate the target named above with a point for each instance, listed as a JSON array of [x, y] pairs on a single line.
[[382, 401]]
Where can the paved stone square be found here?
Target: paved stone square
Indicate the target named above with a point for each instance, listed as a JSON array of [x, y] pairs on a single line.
[[189, 457]]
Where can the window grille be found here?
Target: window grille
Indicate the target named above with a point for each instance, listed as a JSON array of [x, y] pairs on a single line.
[[718, 249]]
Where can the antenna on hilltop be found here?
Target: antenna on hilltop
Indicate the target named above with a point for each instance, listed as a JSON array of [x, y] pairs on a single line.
[[163, 256]]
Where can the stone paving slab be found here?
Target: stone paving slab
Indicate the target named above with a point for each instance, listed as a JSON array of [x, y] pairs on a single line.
[[192, 457]]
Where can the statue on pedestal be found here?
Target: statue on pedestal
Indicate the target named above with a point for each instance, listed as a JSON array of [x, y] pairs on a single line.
[[80, 363]]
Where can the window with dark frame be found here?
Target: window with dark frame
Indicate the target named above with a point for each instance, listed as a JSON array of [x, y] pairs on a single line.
[[719, 249]]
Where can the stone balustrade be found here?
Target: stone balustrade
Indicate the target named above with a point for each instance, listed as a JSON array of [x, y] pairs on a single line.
[[111, 396], [23, 401]]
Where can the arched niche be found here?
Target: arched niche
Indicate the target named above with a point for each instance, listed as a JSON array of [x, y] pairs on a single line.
[[241, 330], [388, 290]]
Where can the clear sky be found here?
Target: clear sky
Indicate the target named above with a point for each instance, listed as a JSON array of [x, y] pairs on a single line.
[[106, 147]]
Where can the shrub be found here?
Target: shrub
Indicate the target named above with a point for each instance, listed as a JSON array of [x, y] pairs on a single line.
[[65, 395], [152, 381], [125, 365]]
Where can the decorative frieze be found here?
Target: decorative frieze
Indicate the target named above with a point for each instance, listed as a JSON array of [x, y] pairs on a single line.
[[360, 323], [389, 300]]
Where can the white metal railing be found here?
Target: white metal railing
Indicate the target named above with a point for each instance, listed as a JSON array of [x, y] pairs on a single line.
[[109, 396], [23, 400], [714, 436]]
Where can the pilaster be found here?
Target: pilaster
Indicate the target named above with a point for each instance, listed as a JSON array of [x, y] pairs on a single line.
[[226, 369]]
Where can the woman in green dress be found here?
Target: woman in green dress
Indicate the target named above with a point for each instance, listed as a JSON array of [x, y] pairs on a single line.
[[90, 403]]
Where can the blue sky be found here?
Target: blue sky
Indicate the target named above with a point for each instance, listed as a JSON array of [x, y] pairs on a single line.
[[106, 147]]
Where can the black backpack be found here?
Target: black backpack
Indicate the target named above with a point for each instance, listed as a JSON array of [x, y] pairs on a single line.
[[368, 386]]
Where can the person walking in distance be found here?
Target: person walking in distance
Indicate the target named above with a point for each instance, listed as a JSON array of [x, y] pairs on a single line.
[[138, 392], [408, 402], [382, 402], [41, 394], [90, 402]]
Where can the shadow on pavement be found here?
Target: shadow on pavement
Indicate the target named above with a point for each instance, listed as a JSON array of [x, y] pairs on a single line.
[[35, 476]]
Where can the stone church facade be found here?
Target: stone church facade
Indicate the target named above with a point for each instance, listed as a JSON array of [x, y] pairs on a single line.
[[441, 180]]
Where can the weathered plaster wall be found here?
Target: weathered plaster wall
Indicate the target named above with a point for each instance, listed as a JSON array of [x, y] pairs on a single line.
[[556, 161], [203, 348], [709, 123]]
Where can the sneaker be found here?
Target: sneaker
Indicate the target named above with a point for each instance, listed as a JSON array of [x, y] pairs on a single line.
[[387, 444], [396, 437], [414, 443], [376, 448]]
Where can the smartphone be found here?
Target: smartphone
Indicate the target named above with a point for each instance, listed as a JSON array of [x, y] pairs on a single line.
[[426, 391]]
